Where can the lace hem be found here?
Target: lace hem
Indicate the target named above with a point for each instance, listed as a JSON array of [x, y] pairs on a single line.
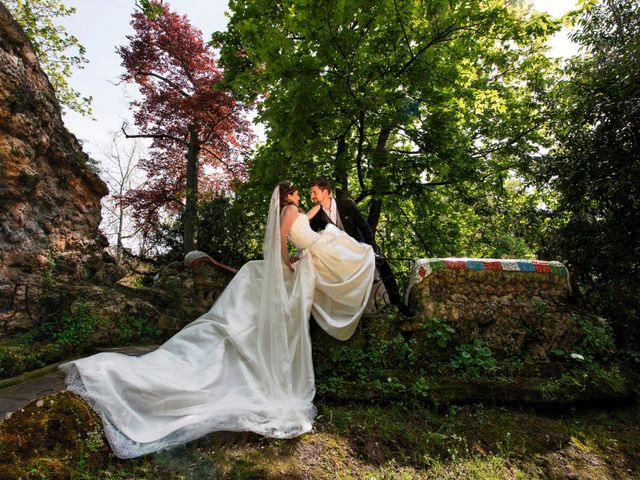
[[125, 447]]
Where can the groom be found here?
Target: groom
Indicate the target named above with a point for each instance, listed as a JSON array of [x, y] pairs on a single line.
[[343, 213]]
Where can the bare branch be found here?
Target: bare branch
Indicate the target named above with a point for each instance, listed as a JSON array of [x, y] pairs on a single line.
[[150, 135], [166, 80]]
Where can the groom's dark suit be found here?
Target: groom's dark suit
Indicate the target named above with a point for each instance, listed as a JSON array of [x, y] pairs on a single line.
[[357, 227], [352, 221]]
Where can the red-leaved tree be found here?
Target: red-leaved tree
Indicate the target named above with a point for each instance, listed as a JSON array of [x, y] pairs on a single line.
[[198, 132]]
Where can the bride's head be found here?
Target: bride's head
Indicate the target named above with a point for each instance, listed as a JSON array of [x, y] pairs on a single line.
[[288, 194]]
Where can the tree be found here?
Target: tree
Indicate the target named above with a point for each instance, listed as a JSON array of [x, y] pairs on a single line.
[[57, 52], [595, 164], [198, 132], [121, 173], [394, 100]]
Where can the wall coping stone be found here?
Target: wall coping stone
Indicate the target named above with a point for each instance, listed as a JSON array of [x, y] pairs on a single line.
[[424, 267]]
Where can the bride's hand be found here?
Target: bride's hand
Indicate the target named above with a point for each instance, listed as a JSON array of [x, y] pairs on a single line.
[[311, 213]]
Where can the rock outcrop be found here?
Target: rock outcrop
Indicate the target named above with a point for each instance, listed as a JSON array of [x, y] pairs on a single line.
[[49, 194], [50, 436], [184, 293]]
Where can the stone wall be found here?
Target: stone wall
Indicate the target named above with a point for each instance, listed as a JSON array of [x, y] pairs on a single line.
[[486, 330], [49, 195], [517, 307], [188, 292]]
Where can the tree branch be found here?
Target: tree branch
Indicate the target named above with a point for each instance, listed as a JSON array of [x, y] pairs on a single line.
[[167, 81], [361, 118], [415, 231], [216, 156], [404, 32], [440, 37], [151, 135]]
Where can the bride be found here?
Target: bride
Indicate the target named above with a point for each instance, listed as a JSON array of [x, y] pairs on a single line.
[[246, 364]]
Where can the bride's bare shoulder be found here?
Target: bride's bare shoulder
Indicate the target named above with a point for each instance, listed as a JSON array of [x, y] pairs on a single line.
[[289, 210]]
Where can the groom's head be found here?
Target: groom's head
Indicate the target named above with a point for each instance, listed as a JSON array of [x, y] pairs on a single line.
[[320, 191]]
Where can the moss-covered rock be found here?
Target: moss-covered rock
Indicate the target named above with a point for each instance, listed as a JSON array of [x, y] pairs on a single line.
[[77, 320], [189, 292], [50, 438]]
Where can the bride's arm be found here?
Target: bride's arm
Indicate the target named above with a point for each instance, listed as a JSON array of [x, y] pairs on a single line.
[[289, 215], [312, 213]]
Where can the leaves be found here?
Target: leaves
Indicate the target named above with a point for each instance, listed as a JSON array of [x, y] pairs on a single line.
[[595, 164], [58, 52], [400, 103], [184, 113]]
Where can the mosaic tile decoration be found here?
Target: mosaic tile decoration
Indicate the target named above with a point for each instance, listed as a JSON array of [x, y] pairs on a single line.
[[425, 266]]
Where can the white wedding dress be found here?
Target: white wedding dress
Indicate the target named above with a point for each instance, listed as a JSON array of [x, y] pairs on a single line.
[[246, 364]]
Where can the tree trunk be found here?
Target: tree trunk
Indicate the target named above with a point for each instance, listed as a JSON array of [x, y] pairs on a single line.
[[342, 166], [378, 162], [120, 226], [190, 211]]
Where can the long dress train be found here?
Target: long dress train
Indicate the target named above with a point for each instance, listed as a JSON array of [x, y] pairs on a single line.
[[246, 364]]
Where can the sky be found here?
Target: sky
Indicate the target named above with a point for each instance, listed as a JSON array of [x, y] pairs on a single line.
[[100, 29]]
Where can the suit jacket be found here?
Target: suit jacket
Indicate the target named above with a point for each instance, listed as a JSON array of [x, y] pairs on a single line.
[[352, 220]]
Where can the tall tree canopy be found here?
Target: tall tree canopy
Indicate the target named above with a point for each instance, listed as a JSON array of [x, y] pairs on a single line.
[[58, 52], [198, 132], [595, 164], [402, 100]]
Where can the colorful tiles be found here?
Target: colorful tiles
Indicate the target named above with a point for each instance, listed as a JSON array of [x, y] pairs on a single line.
[[426, 266], [492, 265], [455, 264], [475, 265]]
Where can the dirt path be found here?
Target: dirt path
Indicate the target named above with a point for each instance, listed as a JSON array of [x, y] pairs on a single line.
[[19, 391]]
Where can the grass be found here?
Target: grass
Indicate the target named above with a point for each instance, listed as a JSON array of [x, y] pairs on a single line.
[[403, 440]]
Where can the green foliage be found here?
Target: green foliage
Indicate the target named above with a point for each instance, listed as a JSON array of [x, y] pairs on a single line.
[[15, 359], [229, 231], [419, 110], [150, 8], [74, 331], [57, 52], [474, 359], [29, 180], [440, 331], [48, 277], [595, 165], [553, 388], [94, 441], [420, 388], [597, 341], [75, 327], [373, 365], [129, 329], [595, 348], [23, 99]]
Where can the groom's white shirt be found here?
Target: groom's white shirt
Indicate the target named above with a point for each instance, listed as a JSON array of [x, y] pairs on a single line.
[[332, 213]]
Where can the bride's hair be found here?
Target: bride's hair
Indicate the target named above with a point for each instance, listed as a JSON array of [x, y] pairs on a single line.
[[286, 189]]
